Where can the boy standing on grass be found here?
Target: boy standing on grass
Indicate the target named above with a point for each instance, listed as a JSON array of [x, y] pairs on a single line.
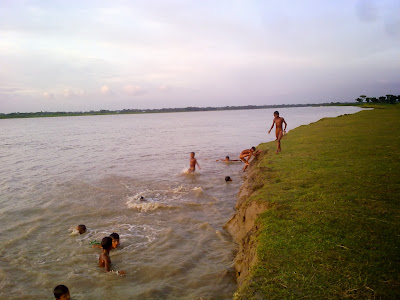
[[278, 129]]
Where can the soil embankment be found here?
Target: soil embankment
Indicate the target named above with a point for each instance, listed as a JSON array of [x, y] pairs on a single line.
[[242, 226], [321, 219]]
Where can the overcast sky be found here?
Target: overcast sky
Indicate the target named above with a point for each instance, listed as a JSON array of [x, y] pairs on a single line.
[[83, 55]]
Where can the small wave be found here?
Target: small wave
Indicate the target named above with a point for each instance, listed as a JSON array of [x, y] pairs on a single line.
[[147, 206], [74, 232], [186, 172], [150, 200]]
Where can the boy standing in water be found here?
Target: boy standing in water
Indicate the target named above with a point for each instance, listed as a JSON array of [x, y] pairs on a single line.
[[193, 163], [278, 129], [104, 257], [61, 292]]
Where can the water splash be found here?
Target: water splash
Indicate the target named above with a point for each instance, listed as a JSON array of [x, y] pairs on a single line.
[[170, 198]]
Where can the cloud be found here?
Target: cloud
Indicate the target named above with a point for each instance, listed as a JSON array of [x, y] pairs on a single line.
[[134, 90], [105, 90], [367, 10], [80, 92], [221, 53], [164, 88], [67, 93], [48, 95]]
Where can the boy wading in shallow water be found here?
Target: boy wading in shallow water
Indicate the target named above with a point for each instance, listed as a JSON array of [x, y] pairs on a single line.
[[104, 257], [61, 292], [193, 163], [278, 129]]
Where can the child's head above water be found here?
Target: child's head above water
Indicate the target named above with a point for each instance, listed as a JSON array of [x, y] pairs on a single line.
[[253, 148], [228, 178], [115, 240], [81, 229], [226, 157], [192, 154], [61, 292], [106, 243], [276, 113]]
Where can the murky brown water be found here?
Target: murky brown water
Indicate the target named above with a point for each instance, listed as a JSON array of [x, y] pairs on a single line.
[[57, 173]]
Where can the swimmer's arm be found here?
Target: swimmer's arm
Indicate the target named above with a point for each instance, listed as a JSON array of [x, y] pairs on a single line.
[[272, 126], [198, 164], [96, 246]]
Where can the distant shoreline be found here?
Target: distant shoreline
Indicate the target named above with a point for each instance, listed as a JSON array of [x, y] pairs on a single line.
[[46, 114]]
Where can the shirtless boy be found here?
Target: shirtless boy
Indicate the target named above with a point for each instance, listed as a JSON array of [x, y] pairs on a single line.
[[115, 241], [227, 159], [278, 129], [248, 153], [61, 292], [193, 163], [104, 257]]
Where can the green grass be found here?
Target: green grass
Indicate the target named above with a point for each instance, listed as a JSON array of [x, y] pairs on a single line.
[[334, 227]]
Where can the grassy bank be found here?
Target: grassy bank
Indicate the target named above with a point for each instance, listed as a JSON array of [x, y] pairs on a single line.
[[334, 227]]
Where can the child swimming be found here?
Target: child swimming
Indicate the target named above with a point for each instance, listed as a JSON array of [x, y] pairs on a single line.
[[227, 159], [81, 229], [115, 241], [61, 292]]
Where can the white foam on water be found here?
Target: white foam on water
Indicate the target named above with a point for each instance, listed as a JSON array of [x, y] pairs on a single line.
[[186, 171], [162, 199], [147, 206], [74, 232], [144, 231]]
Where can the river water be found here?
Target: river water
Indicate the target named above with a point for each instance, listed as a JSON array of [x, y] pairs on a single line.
[[57, 173]]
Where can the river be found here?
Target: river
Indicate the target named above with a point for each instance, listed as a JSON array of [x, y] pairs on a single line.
[[59, 172]]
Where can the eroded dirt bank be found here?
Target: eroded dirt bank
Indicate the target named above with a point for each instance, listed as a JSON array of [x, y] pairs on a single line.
[[242, 226]]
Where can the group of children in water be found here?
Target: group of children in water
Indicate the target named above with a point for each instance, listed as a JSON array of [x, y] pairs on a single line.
[[245, 155], [111, 242], [107, 244]]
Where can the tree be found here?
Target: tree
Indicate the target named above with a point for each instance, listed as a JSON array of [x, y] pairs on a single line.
[[363, 97], [382, 99], [368, 99], [390, 99], [359, 100]]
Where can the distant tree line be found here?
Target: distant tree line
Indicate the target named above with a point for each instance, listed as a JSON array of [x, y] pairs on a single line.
[[160, 110], [390, 99]]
